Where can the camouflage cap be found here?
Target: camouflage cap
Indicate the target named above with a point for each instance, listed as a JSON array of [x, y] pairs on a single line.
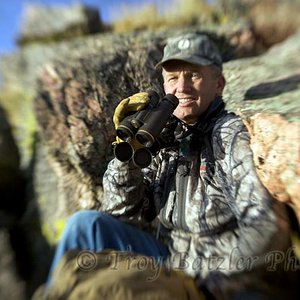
[[194, 48]]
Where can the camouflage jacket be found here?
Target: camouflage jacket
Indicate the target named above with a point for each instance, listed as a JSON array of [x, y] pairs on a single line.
[[205, 200]]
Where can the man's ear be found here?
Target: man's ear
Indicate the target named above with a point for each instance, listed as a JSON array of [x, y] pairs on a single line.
[[220, 85]]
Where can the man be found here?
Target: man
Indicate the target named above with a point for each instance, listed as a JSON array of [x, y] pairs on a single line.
[[205, 209]]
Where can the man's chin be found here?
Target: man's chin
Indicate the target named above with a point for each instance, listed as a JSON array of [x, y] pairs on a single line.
[[187, 118]]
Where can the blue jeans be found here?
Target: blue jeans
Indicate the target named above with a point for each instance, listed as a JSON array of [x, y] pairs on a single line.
[[96, 231]]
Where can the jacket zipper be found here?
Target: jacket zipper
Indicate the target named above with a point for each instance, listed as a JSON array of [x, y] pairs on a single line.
[[182, 181], [163, 214], [181, 208]]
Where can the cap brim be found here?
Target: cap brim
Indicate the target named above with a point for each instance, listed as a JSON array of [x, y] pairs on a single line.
[[196, 60]]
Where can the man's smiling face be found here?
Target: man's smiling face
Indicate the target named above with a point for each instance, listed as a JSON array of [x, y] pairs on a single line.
[[195, 86]]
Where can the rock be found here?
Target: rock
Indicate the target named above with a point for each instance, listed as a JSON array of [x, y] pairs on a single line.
[[25, 256], [265, 91], [11, 208], [11, 286], [9, 155], [20, 69], [79, 108], [12, 203], [266, 83], [55, 23], [276, 147]]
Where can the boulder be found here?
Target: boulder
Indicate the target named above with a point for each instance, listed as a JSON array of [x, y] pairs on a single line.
[[25, 255], [11, 286], [56, 23], [265, 91], [9, 155], [276, 147], [74, 116]]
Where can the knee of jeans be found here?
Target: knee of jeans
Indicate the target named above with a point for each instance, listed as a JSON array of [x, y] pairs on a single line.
[[84, 218]]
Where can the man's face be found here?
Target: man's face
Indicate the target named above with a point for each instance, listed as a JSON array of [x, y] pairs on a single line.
[[195, 86]]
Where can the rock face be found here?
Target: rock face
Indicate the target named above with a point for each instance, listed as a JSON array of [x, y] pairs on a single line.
[[25, 255], [265, 91], [80, 107], [11, 208], [9, 155], [11, 287], [276, 145], [266, 83]]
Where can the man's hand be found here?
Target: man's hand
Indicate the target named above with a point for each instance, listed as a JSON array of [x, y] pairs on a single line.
[[129, 105]]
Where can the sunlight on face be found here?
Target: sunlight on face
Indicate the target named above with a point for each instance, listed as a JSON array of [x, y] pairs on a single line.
[[195, 86]]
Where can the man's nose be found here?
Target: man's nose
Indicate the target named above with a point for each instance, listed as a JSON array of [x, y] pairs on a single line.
[[183, 85]]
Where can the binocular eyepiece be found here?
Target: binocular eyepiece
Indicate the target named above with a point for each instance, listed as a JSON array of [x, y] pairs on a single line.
[[129, 126], [145, 126]]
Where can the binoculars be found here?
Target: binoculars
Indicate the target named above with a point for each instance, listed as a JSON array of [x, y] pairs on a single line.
[[145, 127]]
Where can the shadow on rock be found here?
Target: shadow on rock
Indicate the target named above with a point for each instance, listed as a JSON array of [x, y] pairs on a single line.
[[20, 219], [273, 88]]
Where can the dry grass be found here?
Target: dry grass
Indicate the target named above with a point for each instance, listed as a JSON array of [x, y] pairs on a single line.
[[272, 20], [172, 13], [191, 11], [134, 18]]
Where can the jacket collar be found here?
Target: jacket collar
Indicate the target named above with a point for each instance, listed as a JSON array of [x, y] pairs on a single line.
[[206, 121]]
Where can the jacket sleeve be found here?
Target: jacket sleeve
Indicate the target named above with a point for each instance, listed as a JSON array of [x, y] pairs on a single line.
[[262, 221], [126, 188], [249, 252]]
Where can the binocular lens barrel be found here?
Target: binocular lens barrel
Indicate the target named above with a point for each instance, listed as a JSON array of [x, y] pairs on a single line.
[[123, 151], [142, 157]]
